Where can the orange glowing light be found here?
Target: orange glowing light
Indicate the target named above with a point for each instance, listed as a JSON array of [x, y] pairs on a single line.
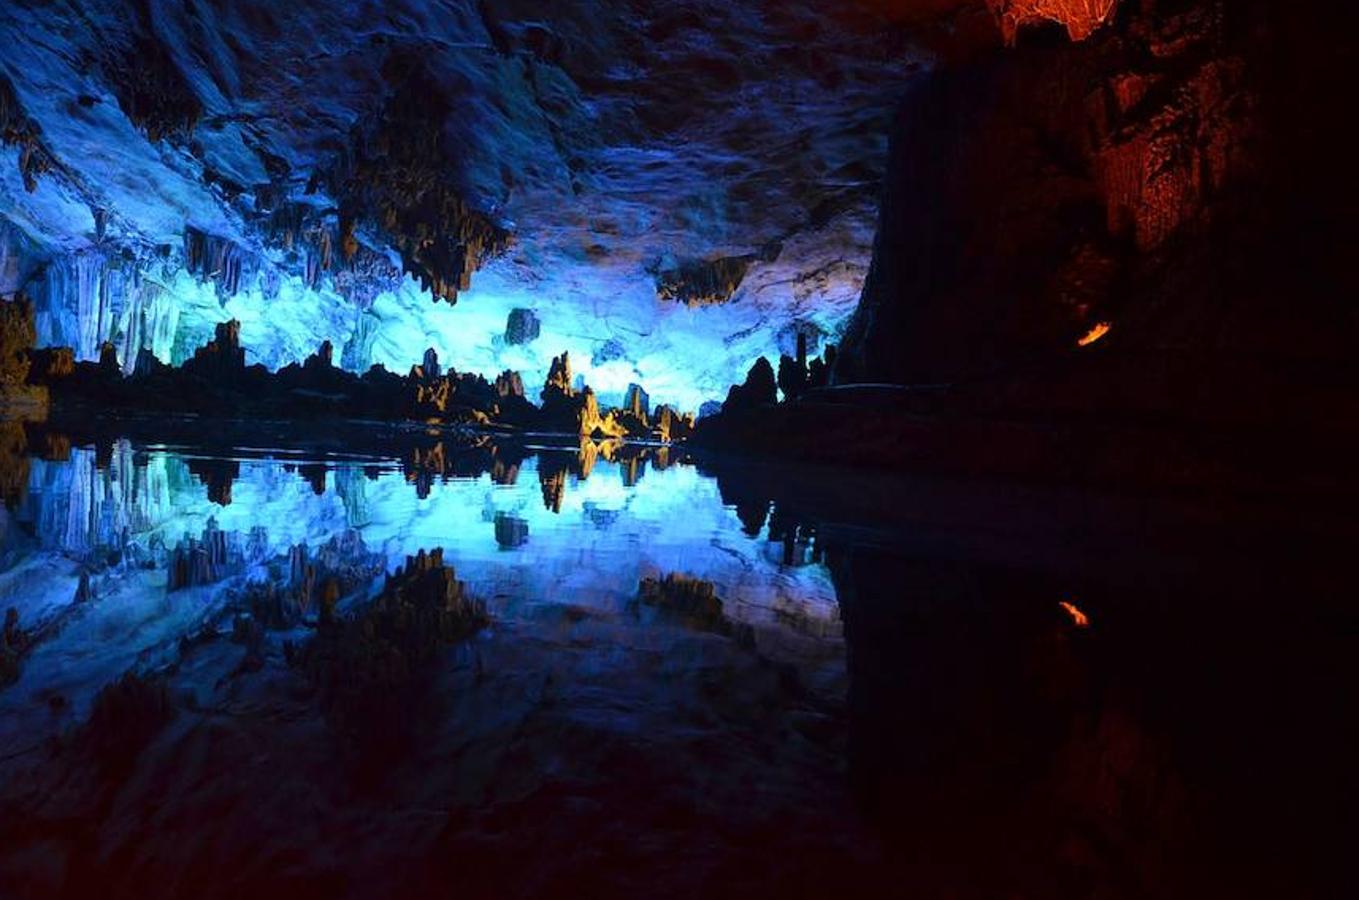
[[1094, 334], [1080, 619]]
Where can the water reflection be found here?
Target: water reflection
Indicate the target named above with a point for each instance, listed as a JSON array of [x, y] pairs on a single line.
[[733, 678], [525, 526]]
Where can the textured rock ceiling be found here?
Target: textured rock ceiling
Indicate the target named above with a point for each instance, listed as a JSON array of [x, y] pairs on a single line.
[[673, 188]]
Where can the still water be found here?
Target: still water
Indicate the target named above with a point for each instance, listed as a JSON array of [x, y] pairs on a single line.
[[558, 527], [909, 687]]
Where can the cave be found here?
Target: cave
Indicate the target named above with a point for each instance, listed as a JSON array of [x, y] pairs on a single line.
[[600, 448]]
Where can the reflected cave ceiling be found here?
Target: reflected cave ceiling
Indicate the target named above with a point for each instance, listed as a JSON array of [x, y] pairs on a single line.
[[672, 188]]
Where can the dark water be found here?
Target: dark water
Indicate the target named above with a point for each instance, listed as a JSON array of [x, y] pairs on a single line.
[[893, 699]]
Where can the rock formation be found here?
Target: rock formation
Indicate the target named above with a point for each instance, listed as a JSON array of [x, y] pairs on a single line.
[[559, 379], [222, 357], [217, 476], [508, 384], [18, 398], [522, 327], [396, 179], [17, 336], [759, 389], [314, 583], [1038, 190], [510, 531], [216, 382], [1080, 17], [694, 603], [13, 642], [362, 666], [636, 401], [127, 715], [201, 561], [429, 366], [702, 282]]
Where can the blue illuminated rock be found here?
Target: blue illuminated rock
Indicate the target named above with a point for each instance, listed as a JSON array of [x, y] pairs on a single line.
[[293, 169], [522, 327], [430, 367], [636, 401]]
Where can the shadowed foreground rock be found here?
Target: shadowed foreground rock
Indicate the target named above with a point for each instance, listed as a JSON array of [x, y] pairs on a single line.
[[694, 603], [127, 715], [366, 666], [216, 382]]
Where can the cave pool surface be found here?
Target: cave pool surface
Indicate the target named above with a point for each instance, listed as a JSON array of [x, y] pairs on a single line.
[[907, 676]]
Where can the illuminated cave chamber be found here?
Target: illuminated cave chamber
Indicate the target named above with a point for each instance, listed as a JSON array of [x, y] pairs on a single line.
[[663, 207]]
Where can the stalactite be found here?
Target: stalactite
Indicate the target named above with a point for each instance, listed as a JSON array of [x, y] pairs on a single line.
[[223, 262], [77, 308], [394, 177], [703, 282], [1081, 18], [16, 128], [151, 90]]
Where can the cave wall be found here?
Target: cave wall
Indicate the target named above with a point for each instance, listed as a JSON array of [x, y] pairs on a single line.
[[1167, 174], [670, 187]]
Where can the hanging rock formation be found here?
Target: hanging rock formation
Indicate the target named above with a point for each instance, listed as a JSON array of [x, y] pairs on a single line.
[[702, 282], [522, 327], [396, 177], [17, 129], [1080, 17]]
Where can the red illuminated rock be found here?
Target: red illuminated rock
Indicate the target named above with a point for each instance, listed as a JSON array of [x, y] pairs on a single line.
[[1032, 190], [1080, 17]]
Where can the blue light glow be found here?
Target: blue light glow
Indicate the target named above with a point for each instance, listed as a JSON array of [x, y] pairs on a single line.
[[120, 521]]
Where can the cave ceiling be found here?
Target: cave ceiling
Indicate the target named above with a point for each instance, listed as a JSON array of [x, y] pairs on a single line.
[[673, 188]]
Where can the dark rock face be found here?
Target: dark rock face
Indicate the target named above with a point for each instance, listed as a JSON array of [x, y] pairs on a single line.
[[222, 357], [17, 335], [50, 364], [636, 401], [1035, 192], [151, 90], [522, 327], [703, 282], [362, 666], [13, 642], [429, 366], [759, 389], [216, 383], [16, 128], [196, 562], [127, 715], [693, 602]]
